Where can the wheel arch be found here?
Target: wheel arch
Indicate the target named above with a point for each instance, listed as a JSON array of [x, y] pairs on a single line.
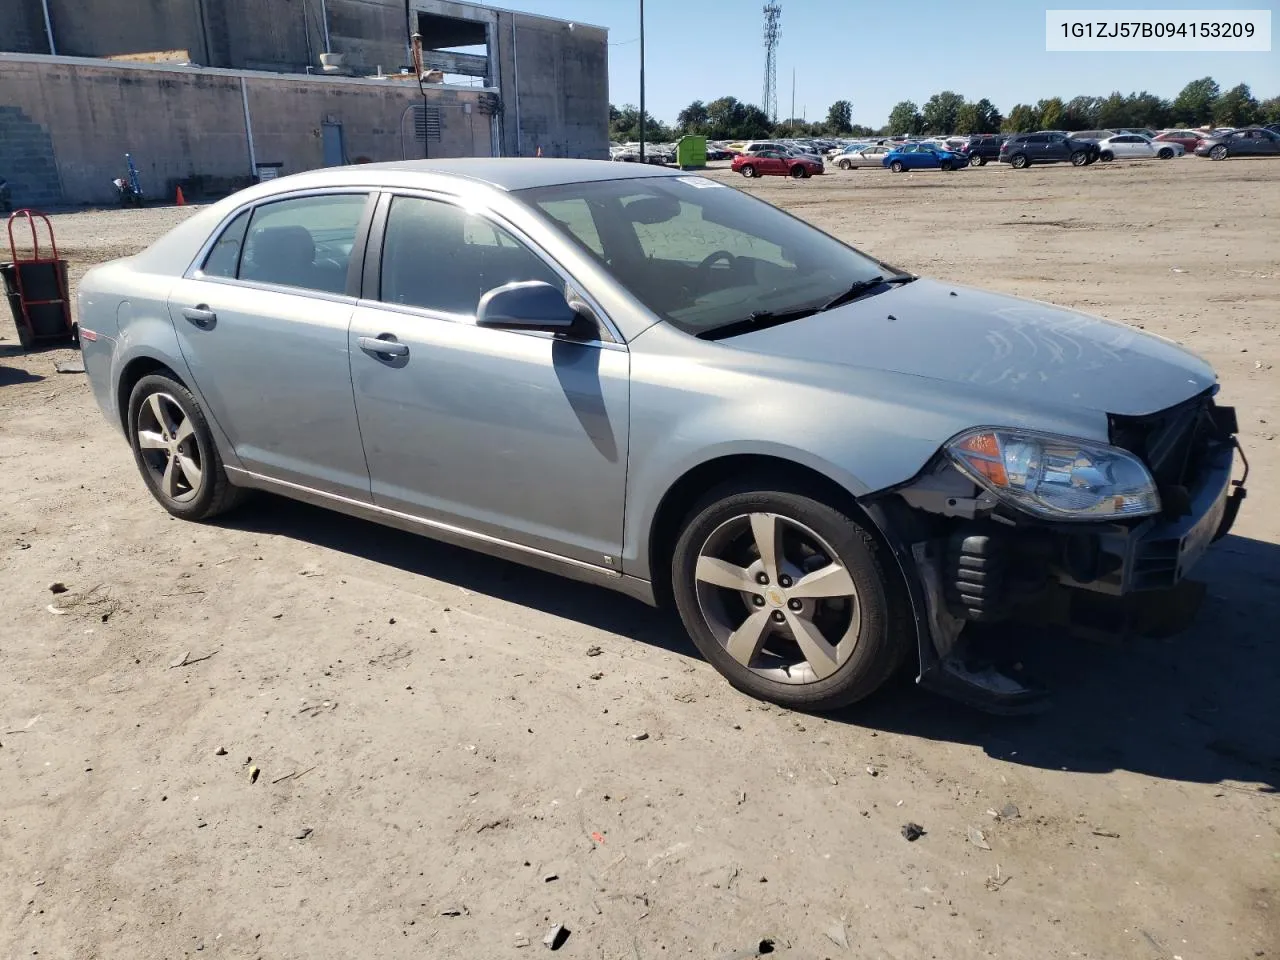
[[695, 482], [133, 371]]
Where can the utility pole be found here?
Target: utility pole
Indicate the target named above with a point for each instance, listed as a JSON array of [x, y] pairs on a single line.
[[791, 122], [642, 81]]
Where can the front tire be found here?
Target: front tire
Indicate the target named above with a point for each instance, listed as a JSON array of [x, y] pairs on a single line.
[[845, 165], [1079, 158], [815, 619], [1106, 156], [748, 171], [946, 165], [174, 450], [896, 166]]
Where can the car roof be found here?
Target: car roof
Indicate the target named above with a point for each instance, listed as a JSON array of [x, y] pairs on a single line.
[[503, 173]]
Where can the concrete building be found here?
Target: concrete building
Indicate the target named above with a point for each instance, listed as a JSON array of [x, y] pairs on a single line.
[[206, 90]]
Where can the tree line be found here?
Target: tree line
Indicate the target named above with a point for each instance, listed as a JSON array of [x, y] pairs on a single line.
[[1201, 102]]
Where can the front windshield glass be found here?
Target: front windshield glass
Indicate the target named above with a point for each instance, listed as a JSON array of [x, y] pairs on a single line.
[[700, 254]]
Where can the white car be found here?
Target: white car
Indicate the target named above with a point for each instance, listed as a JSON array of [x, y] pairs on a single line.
[[1134, 146], [872, 156]]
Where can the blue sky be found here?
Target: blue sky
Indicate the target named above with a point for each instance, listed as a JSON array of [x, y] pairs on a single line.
[[877, 53]]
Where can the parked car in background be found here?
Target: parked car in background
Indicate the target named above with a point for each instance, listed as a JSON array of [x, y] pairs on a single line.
[[776, 162], [1023, 149], [529, 358], [1092, 134], [984, 148], [1250, 142], [716, 151], [923, 156], [1132, 146], [854, 159], [1187, 139]]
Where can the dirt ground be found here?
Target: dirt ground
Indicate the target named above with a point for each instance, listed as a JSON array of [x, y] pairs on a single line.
[[443, 769]]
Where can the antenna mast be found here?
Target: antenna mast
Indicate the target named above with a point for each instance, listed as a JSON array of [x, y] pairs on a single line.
[[772, 31]]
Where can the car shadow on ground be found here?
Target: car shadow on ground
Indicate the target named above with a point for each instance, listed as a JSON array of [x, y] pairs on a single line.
[[1198, 707]]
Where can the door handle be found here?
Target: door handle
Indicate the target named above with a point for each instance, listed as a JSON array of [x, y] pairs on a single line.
[[201, 316], [383, 346]]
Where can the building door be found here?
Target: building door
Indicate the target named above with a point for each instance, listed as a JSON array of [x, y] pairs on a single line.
[[335, 152]]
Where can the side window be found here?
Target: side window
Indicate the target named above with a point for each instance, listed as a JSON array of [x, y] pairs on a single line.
[[224, 258], [440, 257], [304, 242], [688, 238]]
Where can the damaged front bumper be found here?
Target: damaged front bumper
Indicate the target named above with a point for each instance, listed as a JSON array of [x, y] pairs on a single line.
[[969, 561]]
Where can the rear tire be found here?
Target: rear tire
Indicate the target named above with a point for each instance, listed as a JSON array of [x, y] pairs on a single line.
[[174, 450], [1019, 161], [855, 624], [1218, 153], [896, 166], [977, 161], [1165, 153]]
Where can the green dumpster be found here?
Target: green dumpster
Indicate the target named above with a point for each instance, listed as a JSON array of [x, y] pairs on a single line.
[[691, 153]]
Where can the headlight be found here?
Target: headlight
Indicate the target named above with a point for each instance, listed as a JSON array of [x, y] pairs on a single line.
[[1056, 477]]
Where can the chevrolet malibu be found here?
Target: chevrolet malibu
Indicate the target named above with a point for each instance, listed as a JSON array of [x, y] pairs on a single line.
[[656, 383]]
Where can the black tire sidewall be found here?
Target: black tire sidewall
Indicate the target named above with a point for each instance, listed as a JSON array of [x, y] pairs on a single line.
[[897, 166], [1019, 162], [878, 651], [211, 462]]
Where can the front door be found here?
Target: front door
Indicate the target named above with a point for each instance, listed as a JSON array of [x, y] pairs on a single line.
[[515, 435], [263, 327]]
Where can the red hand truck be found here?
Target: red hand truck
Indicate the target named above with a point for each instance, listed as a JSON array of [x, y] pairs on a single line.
[[36, 287]]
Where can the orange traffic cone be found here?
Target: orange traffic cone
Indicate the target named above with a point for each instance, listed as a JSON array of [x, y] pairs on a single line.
[[180, 200]]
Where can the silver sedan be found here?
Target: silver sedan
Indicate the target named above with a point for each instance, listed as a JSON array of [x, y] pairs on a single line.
[[872, 156], [1134, 146], [661, 385]]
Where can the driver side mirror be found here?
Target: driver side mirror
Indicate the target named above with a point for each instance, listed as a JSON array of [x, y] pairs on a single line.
[[526, 305]]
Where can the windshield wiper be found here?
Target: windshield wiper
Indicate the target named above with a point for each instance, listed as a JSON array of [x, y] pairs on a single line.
[[757, 320], [863, 286]]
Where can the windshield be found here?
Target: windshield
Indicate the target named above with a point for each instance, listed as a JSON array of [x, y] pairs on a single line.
[[702, 255]]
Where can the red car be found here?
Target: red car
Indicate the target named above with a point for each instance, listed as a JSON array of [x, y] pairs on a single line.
[[776, 163], [1188, 138]]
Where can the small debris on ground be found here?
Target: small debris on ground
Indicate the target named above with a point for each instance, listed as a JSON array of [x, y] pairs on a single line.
[[1106, 833], [977, 838], [455, 911], [597, 675], [872, 770], [996, 882], [830, 779], [187, 659], [912, 832], [640, 736], [550, 876], [220, 752], [57, 587], [254, 773], [303, 833], [594, 651], [521, 940], [556, 937], [837, 935], [1010, 811], [69, 366], [764, 947]]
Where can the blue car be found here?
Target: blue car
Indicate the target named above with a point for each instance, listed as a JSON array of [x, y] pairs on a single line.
[[923, 156]]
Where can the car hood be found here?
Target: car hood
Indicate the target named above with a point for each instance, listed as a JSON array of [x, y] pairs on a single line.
[[992, 344]]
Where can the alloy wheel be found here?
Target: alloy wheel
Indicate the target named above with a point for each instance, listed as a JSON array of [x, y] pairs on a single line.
[[777, 597], [167, 441], [1218, 153]]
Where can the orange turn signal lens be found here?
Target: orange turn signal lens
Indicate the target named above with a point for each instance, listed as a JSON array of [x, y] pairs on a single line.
[[981, 453]]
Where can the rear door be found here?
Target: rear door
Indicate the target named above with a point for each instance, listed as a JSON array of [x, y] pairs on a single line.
[[262, 323]]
